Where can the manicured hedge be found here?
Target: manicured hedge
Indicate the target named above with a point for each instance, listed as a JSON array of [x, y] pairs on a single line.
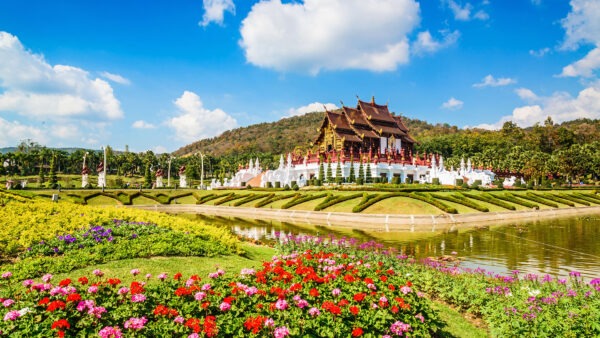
[[462, 200], [540, 200], [490, 199], [511, 198], [376, 198], [301, 199], [575, 199], [591, 199], [555, 198], [250, 198], [272, 199], [427, 198], [209, 197], [335, 200], [229, 198]]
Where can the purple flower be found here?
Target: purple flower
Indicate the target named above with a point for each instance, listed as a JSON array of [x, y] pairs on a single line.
[[575, 274]]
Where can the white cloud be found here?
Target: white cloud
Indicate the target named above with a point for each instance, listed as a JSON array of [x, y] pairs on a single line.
[[159, 150], [540, 52], [453, 104], [34, 88], [115, 78], [195, 122], [427, 44], [214, 11], [315, 35], [560, 106], [141, 124], [536, 2], [584, 67], [312, 107], [490, 81], [465, 12], [13, 132], [526, 94]]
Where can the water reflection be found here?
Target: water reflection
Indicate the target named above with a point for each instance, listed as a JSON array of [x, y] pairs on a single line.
[[555, 246]]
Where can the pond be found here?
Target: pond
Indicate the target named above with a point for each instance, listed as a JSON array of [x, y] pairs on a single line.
[[555, 246]]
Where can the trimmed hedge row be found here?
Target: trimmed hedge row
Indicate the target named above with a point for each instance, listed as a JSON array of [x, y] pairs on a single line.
[[575, 199], [372, 199], [335, 200], [539, 200], [591, 195], [272, 199], [250, 198], [229, 198], [209, 197], [587, 198], [427, 198], [462, 200], [511, 198], [490, 199], [555, 198], [299, 199]]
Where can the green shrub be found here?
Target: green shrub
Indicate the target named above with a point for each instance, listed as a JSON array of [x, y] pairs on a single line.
[[229, 198], [435, 181], [489, 199], [360, 181], [272, 199], [555, 198], [332, 200], [396, 180], [425, 197], [269, 185], [588, 198], [299, 199], [511, 198], [537, 199], [249, 198], [574, 198], [372, 199], [461, 200], [277, 185]]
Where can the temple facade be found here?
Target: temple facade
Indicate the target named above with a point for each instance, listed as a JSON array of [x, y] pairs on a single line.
[[348, 137]]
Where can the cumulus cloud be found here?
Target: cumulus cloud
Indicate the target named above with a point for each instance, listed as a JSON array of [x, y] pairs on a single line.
[[34, 88], [194, 121], [560, 106], [427, 44], [141, 124], [214, 11], [312, 107], [115, 78], [13, 132], [453, 104], [466, 12], [582, 26], [540, 52], [159, 150], [314, 35], [490, 81]]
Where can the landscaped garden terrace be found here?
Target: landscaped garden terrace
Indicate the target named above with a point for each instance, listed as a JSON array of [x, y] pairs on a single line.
[[73, 270]]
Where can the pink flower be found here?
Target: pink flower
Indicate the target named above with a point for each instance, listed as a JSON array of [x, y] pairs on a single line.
[[269, 322], [46, 278], [302, 303], [110, 332], [162, 276], [138, 298], [98, 273], [86, 304], [281, 332], [179, 320], [7, 275], [123, 290], [206, 287], [193, 335], [420, 317], [399, 328], [247, 272], [92, 289], [336, 292], [314, 311], [405, 290], [189, 282], [135, 323], [199, 296], [28, 282], [148, 275], [135, 272], [8, 302], [97, 311], [12, 315], [281, 304], [224, 306]]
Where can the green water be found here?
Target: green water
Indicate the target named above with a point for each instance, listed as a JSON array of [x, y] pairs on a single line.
[[556, 246]]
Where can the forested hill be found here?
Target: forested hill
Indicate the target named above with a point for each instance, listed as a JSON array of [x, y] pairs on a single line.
[[509, 148], [284, 135]]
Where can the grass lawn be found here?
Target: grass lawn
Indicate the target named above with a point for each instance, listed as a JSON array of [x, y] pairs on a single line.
[[403, 206]]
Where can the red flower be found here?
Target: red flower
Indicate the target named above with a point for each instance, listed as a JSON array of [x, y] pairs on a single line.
[[44, 301], [395, 309], [194, 324], [177, 276], [383, 278], [296, 287], [228, 300], [74, 297], [331, 307], [314, 292], [180, 292], [343, 302], [61, 324], [83, 280], [357, 332], [56, 305], [114, 281], [354, 310], [359, 297], [254, 324], [210, 326], [369, 280], [162, 310], [65, 282], [136, 288], [392, 287]]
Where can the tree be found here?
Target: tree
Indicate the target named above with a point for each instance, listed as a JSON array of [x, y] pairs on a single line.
[[361, 171], [352, 175], [321, 168], [52, 175], [328, 175], [369, 178], [147, 177], [338, 171]]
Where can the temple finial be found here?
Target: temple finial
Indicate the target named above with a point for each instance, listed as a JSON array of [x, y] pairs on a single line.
[[373, 99], [342, 102]]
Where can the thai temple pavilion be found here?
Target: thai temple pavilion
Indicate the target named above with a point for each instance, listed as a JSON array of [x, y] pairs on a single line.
[[369, 127], [367, 135]]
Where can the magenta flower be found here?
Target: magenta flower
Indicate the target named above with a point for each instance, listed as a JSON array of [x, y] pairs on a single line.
[[336, 292], [8, 302], [399, 328], [224, 306], [123, 290], [269, 322], [135, 323], [92, 289], [206, 287], [162, 276], [46, 278], [12, 315], [199, 296], [281, 332], [97, 311], [281, 304], [28, 282], [179, 320], [110, 332], [314, 311], [193, 335], [7, 275], [138, 298]]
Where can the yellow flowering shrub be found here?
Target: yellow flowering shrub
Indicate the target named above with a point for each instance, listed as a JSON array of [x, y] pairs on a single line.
[[23, 223]]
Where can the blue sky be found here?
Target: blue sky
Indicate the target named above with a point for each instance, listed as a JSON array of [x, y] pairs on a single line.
[[160, 74]]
